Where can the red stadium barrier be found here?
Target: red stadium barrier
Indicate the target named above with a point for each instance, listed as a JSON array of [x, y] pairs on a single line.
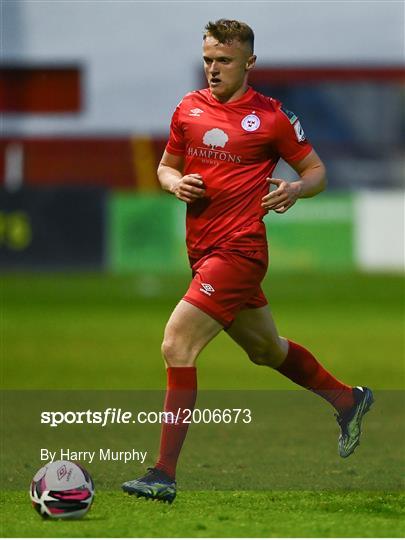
[[40, 89], [305, 74], [114, 162]]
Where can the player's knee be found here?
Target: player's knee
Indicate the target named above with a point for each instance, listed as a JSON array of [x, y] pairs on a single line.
[[177, 354], [267, 354], [261, 358]]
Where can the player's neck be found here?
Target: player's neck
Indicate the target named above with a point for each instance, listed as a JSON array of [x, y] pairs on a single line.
[[233, 97]]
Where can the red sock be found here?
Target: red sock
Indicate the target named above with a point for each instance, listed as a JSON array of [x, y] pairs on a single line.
[[303, 368], [181, 394]]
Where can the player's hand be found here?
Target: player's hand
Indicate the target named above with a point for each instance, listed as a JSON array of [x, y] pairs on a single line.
[[189, 188], [282, 198]]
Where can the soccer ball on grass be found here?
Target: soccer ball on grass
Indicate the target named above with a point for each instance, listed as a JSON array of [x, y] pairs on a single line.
[[61, 490]]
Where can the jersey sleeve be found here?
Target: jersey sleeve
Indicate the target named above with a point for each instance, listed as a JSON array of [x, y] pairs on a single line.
[[290, 140], [176, 144]]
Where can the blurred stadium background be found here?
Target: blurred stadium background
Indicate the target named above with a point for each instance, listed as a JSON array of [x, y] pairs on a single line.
[[87, 90]]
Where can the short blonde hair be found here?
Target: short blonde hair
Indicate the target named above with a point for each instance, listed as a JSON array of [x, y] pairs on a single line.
[[226, 30]]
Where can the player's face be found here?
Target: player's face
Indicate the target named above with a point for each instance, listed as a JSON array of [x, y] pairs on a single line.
[[226, 67]]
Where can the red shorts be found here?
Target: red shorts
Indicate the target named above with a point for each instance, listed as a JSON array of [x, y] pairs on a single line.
[[224, 282]]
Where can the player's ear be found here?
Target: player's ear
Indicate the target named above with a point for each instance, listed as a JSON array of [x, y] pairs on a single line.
[[251, 62]]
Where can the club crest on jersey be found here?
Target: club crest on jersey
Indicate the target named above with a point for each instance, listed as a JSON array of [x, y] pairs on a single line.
[[251, 122], [195, 112]]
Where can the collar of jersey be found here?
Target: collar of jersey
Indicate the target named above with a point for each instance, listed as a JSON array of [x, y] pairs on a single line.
[[246, 97]]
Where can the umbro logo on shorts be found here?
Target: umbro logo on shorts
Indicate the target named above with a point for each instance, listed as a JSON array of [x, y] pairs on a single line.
[[207, 288]]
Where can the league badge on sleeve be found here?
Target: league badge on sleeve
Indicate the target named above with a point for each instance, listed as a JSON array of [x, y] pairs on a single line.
[[299, 132], [289, 114]]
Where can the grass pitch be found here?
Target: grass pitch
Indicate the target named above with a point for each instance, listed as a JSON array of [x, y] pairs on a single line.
[[221, 514], [103, 332]]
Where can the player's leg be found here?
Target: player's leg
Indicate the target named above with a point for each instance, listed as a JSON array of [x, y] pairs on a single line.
[[187, 332], [255, 331]]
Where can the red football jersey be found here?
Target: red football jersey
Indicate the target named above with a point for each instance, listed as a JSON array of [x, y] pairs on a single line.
[[234, 146]]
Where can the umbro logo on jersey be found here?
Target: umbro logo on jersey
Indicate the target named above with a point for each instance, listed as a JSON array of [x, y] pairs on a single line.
[[195, 112], [207, 288]]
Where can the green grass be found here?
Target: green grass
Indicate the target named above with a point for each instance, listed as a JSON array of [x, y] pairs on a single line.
[[93, 331], [222, 514], [105, 331]]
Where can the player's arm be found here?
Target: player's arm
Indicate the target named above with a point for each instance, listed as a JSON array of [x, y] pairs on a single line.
[[187, 188], [312, 180]]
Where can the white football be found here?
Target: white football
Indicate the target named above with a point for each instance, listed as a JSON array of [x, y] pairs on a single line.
[[61, 490]]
